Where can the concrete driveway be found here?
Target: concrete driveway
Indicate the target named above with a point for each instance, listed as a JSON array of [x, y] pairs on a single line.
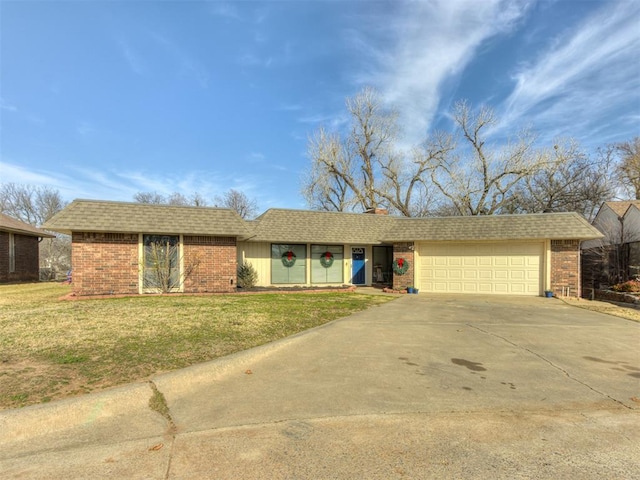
[[423, 387]]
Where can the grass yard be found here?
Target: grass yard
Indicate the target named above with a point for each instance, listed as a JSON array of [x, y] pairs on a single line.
[[51, 348]]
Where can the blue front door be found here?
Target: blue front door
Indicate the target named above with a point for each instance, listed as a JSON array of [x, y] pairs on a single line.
[[357, 266]]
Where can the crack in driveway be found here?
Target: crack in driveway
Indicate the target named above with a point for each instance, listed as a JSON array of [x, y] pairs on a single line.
[[158, 403], [546, 360]]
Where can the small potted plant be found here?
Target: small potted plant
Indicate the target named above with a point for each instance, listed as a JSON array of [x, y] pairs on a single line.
[[410, 289], [548, 293]]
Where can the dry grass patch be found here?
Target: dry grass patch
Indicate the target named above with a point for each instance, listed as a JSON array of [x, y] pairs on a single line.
[[50, 348]]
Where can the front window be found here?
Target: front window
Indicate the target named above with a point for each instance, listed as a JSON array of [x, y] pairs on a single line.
[[327, 264], [288, 264], [161, 263], [12, 253]]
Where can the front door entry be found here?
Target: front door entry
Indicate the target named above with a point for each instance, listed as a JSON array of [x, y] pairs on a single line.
[[357, 266]]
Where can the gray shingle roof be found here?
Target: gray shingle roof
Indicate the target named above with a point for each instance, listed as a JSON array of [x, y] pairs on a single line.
[[10, 224], [556, 226], [306, 226], [120, 217], [303, 226]]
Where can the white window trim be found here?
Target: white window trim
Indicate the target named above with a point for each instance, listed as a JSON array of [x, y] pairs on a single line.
[[141, 289]]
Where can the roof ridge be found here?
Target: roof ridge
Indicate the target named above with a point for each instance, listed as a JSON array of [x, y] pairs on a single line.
[[142, 204]]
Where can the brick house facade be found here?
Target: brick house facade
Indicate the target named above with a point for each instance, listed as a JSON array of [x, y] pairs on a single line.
[[19, 250], [500, 254], [110, 264], [565, 267], [214, 264], [104, 263], [405, 251]]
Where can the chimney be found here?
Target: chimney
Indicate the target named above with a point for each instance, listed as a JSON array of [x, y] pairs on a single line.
[[377, 211]]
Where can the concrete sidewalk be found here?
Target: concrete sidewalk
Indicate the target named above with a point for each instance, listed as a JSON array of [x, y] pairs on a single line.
[[423, 387]]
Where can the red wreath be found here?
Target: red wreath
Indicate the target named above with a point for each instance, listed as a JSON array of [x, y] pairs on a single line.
[[326, 259], [288, 259], [400, 266]]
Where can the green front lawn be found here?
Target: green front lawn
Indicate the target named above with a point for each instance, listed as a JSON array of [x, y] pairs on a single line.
[[52, 348]]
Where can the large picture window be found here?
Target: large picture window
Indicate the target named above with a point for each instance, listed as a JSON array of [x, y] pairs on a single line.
[[161, 262], [288, 264], [327, 264]]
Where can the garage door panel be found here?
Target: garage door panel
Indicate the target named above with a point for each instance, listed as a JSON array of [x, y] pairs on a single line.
[[491, 268], [517, 274], [517, 261]]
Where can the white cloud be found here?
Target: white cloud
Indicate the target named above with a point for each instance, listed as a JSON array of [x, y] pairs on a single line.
[[6, 106], [251, 60], [224, 10], [85, 128], [256, 157], [584, 76], [17, 174], [431, 43], [132, 58], [187, 64]]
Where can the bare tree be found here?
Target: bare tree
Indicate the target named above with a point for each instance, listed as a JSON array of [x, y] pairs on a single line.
[[567, 181], [162, 264], [364, 168], [31, 204], [629, 167], [479, 180], [238, 201], [322, 189], [154, 198], [176, 198], [198, 200], [35, 205]]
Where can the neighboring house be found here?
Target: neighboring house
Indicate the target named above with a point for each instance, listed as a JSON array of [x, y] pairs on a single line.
[[616, 256], [19, 242], [504, 254]]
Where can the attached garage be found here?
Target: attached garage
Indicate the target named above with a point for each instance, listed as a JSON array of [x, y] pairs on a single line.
[[502, 268]]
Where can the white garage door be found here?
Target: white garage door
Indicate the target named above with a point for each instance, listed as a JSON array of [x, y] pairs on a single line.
[[491, 268]]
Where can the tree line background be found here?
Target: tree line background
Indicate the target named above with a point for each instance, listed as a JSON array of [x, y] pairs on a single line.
[[366, 165], [460, 172], [35, 205]]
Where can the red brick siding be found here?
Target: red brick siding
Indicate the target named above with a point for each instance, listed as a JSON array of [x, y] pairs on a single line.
[[404, 250], [215, 261], [565, 267], [26, 258], [107, 264], [104, 263]]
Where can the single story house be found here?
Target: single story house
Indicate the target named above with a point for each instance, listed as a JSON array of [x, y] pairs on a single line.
[[615, 256], [112, 249], [19, 250]]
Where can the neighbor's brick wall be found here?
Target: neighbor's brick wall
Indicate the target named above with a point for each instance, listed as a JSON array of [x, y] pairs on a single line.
[[565, 267], [104, 263], [214, 264], [26, 263], [404, 250]]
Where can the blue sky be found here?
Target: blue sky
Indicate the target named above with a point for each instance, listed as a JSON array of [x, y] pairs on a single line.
[[103, 99]]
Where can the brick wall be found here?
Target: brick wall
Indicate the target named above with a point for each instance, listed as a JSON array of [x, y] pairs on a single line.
[[213, 264], [565, 267], [26, 258], [404, 250], [107, 264], [104, 263]]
